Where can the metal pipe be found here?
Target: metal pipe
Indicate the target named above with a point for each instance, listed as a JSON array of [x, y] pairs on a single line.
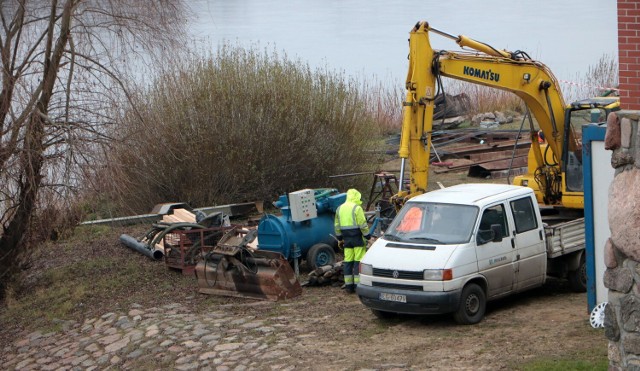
[[350, 174], [143, 249], [401, 175], [474, 44], [545, 85], [158, 253], [515, 145], [481, 47], [442, 33]]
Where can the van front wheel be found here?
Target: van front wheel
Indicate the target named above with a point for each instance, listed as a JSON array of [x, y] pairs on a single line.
[[473, 303]]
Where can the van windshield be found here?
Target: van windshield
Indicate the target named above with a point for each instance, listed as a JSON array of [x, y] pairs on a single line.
[[433, 223]]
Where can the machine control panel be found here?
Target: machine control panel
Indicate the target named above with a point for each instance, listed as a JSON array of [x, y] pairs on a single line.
[[303, 205]]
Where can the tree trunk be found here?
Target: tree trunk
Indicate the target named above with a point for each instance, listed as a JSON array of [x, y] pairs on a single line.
[[13, 238]]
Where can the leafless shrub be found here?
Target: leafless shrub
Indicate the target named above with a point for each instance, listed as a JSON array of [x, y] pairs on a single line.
[[239, 126], [387, 107]]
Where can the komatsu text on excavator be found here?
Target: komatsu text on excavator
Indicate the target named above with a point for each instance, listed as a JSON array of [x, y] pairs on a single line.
[[554, 167]]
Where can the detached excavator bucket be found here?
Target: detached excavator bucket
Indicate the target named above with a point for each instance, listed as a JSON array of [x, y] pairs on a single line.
[[232, 269]]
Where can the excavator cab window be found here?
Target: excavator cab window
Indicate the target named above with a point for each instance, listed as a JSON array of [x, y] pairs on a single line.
[[573, 143]]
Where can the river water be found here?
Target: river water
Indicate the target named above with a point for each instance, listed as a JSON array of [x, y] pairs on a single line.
[[368, 38]]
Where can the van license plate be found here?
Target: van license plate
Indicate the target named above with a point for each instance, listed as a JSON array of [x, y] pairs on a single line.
[[393, 297]]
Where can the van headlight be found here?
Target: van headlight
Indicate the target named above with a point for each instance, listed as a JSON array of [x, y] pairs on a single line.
[[438, 275], [366, 269]]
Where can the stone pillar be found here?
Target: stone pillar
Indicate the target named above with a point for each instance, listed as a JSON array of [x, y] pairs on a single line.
[[622, 251]]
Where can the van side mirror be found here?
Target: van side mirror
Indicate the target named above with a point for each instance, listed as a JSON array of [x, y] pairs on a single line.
[[489, 235], [484, 236], [497, 232]]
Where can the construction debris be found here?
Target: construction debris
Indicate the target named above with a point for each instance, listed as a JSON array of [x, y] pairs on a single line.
[[451, 106], [491, 154], [326, 275], [184, 248], [177, 218]]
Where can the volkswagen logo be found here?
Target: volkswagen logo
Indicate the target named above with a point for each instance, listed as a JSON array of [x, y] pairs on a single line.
[[396, 274]]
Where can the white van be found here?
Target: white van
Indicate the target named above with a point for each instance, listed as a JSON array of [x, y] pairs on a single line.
[[452, 250]]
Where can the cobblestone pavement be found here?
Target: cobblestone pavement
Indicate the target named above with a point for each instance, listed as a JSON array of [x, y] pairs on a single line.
[[323, 329], [158, 338]]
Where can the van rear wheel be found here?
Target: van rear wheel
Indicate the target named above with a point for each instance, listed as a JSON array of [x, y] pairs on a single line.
[[578, 278], [473, 304]]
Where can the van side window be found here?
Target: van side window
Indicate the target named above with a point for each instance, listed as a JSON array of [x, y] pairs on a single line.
[[494, 215], [524, 215]]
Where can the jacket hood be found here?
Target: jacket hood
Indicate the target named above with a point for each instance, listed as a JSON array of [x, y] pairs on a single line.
[[354, 196]]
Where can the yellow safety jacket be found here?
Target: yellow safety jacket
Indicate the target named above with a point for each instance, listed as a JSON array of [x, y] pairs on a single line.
[[350, 222]]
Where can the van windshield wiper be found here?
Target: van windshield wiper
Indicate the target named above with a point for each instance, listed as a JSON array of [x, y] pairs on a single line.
[[391, 237], [426, 239]]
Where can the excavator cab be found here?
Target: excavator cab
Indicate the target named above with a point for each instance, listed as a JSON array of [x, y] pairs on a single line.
[[583, 112]]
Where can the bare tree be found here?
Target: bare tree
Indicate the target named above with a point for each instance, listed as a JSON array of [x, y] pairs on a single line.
[[66, 66]]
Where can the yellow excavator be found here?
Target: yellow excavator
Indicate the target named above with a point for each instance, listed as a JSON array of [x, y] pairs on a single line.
[[554, 166]]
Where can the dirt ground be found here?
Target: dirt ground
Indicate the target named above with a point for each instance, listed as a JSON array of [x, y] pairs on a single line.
[[546, 325]]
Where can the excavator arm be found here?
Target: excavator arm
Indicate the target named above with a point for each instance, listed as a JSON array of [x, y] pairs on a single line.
[[515, 72]]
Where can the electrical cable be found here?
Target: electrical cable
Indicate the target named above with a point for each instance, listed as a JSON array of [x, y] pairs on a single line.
[[555, 159], [491, 47], [522, 54]]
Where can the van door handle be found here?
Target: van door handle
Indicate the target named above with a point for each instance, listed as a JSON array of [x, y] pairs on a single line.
[[540, 234], [513, 243]]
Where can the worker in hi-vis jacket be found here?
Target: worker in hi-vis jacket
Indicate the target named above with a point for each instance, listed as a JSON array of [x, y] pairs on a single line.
[[352, 232]]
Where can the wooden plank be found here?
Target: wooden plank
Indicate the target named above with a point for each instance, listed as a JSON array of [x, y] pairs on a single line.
[[184, 215], [170, 219]]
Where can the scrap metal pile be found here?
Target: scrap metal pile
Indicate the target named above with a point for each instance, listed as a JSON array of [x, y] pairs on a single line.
[[220, 254], [229, 260], [164, 240], [484, 153]]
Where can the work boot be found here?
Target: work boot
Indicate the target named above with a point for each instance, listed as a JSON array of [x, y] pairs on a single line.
[[350, 289]]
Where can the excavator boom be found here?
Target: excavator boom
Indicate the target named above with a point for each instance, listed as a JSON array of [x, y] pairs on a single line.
[[482, 64]]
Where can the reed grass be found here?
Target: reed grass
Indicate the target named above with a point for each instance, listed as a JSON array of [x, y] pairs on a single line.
[[599, 79]]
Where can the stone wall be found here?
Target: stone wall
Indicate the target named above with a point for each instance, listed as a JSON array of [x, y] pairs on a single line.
[[622, 251]]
